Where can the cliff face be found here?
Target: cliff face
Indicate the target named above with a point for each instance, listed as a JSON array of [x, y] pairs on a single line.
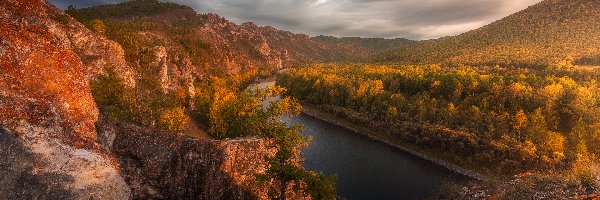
[[163, 165], [39, 72], [96, 52], [249, 45], [48, 114], [54, 27], [51, 147]]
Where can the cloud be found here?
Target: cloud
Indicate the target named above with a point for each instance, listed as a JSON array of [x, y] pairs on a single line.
[[413, 19]]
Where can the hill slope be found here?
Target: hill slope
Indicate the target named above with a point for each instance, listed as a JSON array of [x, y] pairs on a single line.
[[375, 44], [542, 33], [209, 41]]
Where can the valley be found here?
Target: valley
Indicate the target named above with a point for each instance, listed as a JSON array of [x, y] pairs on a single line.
[[147, 99]]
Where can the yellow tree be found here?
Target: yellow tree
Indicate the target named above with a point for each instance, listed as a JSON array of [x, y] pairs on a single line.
[[173, 120], [520, 122], [577, 141], [555, 143], [552, 94], [595, 140], [99, 27]]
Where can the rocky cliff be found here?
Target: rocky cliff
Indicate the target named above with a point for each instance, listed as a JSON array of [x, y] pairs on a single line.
[[48, 137], [58, 29], [161, 165], [51, 147], [213, 44]]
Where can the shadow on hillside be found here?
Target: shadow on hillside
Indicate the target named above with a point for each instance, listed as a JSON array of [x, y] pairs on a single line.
[[17, 178], [588, 60]]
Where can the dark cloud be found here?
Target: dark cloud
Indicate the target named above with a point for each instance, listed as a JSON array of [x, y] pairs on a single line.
[[414, 19]]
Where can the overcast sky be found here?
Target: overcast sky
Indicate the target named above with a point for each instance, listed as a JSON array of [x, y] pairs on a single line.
[[413, 19]]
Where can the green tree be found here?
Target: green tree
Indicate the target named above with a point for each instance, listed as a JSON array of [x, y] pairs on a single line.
[[577, 141], [536, 131], [284, 165], [320, 186], [113, 97]]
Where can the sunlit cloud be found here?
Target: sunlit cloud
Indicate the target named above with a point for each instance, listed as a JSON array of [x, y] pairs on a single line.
[[319, 2], [449, 29]]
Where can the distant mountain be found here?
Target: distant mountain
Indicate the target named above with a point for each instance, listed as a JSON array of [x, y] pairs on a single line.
[[210, 42], [543, 33], [375, 44]]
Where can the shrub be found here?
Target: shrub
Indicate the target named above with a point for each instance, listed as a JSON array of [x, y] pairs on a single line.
[[114, 99], [173, 120]]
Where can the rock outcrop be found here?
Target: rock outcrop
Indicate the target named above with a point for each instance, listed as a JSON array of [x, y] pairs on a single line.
[[61, 30], [161, 165], [96, 52], [39, 167], [160, 53], [48, 137]]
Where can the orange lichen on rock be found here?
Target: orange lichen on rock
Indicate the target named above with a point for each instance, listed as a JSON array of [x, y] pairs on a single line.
[[48, 115], [42, 76]]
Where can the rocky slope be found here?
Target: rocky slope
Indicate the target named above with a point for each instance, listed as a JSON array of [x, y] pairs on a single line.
[[48, 114], [214, 44], [188, 47], [62, 31], [51, 147], [538, 35]]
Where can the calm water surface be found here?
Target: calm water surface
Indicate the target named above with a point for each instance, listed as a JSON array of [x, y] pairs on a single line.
[[368, 169]]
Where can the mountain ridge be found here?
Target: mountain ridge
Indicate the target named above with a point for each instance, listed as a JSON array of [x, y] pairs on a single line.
[[538, 35], [211, 41]]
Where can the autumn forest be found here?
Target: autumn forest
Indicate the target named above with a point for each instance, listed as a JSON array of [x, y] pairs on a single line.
[[149, 99]]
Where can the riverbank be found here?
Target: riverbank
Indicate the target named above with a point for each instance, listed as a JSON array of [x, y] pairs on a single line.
[[381, 137]]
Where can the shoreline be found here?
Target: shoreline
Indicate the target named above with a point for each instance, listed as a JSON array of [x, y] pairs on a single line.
[[316, 113]]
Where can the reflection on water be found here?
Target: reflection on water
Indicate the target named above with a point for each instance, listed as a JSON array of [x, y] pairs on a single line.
[[368, 169]]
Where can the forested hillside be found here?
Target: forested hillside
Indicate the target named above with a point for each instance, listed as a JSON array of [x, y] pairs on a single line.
[[193, 69], [501, 119], [543, 33]]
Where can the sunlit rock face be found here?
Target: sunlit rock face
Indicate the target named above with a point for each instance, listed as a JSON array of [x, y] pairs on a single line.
[[42, 24], [48, 138]]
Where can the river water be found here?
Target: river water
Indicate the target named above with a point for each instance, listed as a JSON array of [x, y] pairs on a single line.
[[368, 169]]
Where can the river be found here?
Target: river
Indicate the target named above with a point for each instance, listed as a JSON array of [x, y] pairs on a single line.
[[368, 169]]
